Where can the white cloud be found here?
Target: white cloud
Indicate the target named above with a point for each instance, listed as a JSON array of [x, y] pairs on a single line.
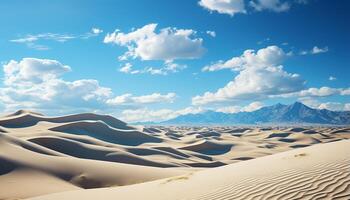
[[260, 76], [129, 99], [253, 106], [235, 109], [168, 44], [334, 106], [32, 70], [272, 5], [317, 92], [266, 57], [315, 50], [332, 78], [169, 67], [230, 7], [34, 83], [127, 68], [145, 114], [254, 83], [44, 36], [211, 33], [96, 31], [31, 40]]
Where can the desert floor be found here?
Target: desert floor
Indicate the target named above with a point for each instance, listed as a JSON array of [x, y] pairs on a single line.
[[89, 156]]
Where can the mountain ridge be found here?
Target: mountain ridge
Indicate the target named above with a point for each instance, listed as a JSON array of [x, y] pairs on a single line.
[[278, 113]]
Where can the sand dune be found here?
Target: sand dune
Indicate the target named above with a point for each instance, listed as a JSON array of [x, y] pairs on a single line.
[[317, 172], [46, 155]]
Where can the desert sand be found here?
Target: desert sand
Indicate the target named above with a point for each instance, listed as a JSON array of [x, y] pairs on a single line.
[[90, 156]]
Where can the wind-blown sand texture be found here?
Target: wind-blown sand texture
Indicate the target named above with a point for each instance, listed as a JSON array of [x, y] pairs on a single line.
[[65, 157]]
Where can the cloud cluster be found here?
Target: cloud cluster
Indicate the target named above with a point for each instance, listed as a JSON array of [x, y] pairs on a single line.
[[38, 84], [260, 75], [32, 70], [169, 44]]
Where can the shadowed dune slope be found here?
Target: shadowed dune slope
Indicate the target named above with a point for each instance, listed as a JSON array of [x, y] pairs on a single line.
[[104, 132], [71, 172]]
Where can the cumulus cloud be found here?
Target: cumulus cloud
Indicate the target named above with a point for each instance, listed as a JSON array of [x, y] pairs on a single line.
[[260, 76], [235, 109], [266, 57], [32, 70], [169, 44], [230, 7], [272, 5], [254, 83], [34, 83], [129, 99]]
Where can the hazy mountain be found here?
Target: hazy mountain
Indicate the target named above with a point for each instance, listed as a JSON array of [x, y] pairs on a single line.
[[276, 114]]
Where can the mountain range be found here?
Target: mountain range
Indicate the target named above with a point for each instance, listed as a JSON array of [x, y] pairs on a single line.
[[296, 113]]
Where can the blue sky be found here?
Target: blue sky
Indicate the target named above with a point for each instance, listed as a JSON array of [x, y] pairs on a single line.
[[153, 60]]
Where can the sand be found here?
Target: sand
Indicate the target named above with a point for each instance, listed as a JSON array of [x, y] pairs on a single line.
[[89, 156]]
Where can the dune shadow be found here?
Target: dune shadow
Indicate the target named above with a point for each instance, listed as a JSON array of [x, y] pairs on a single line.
[[6, 166]]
